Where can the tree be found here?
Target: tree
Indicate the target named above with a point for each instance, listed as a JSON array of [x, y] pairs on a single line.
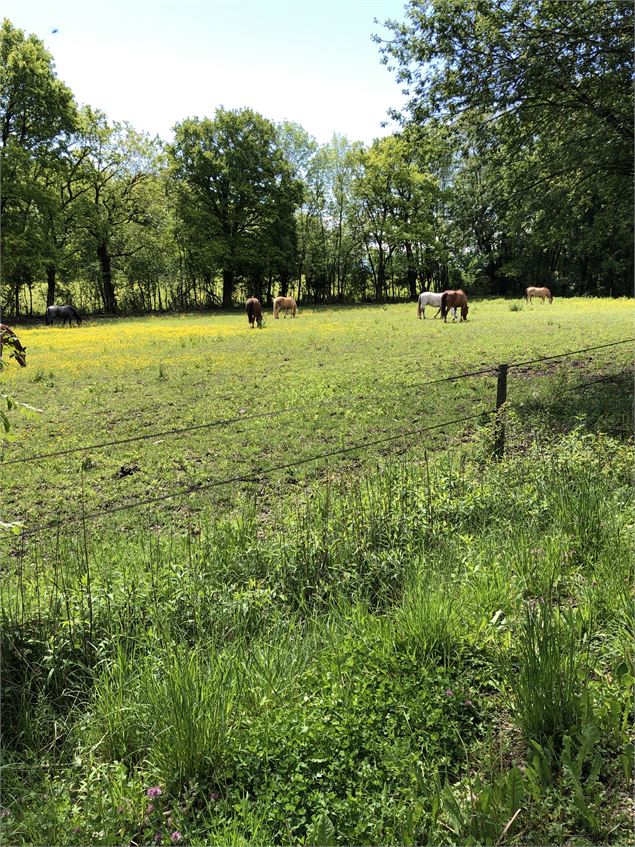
[[115, 163], [539, 92], [239, 181], [395, 200], [327, 247], [37, 119]]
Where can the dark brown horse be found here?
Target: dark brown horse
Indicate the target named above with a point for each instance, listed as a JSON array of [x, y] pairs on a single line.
[[454, 300], [9, 339], [254, 312]]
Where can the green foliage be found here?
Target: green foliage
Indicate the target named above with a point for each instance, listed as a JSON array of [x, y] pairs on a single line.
[[241, 679], [541, 125], [511, 168], [234, 184]]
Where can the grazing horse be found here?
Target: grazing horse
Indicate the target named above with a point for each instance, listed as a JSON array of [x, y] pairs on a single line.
[[543, 293], [429, 298], [65, 312], [286, 303], [454, 300], [8, 337], [254, 312]]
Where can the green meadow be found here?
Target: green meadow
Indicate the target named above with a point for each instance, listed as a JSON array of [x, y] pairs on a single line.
[[403, 641], [330, 379]]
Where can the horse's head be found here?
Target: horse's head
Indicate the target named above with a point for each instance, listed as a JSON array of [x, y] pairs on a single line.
[[18, 352]]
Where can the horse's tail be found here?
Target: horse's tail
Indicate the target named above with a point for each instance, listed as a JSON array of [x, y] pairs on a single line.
[[250, 310], [527, 295], [419, 308], [444, 304]]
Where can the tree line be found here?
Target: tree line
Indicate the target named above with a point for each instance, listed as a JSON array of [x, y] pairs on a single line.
[[512, 166]]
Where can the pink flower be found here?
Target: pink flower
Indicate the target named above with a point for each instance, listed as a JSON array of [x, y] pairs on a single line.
[[175, 836], [150, 809], [157, 837], [214, 795], [449, 692], [154, 792]]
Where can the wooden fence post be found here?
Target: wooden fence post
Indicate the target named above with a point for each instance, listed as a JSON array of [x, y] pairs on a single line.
[[501, 396]]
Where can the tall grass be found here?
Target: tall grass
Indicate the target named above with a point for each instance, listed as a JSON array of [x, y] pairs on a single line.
[[550, 678], [416, 656]]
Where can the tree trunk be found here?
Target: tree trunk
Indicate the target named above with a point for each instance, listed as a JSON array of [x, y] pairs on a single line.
[[380, 279], [490, 273], [228, 288], [412, 271], [108, 289], [50, 285], [284, 283], [258, 284]]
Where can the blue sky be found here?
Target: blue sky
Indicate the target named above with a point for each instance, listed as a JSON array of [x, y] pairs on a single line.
[[153, 62]]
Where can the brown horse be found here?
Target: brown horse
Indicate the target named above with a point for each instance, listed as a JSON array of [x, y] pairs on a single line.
[[543, 293], [254, 312], [454, 300], [286, 303], [8, 337]]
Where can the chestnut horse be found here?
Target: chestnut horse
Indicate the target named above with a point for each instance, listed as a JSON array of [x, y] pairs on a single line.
[[8, 337], [543, 293], [254, 312], [286, 303], [454, 300]]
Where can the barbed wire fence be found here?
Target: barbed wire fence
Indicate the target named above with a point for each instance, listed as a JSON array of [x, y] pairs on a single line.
[[497, 413]]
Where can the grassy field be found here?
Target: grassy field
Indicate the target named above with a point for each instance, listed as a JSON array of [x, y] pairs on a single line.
[[406, 644], [343, 375]]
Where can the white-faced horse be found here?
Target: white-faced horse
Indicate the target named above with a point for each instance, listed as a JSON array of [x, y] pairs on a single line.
[[287, 303], [429, 298], [543, 293]]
